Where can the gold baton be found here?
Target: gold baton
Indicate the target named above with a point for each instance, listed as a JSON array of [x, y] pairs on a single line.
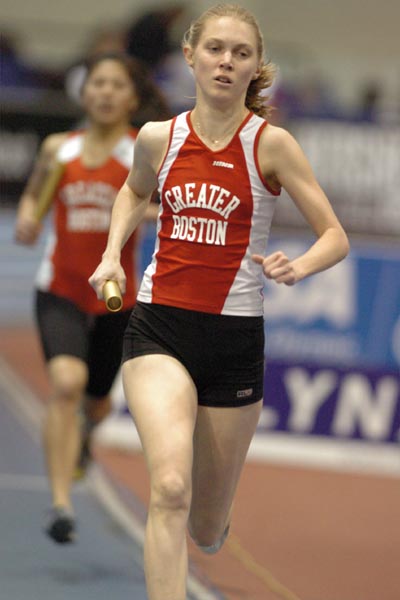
[[46, 194], [112, 296]]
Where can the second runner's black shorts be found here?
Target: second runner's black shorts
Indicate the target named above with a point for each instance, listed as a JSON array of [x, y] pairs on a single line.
[[96, 339]]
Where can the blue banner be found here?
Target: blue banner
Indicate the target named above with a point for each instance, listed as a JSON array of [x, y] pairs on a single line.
[[333, 348], [344, 403], [347, 315]]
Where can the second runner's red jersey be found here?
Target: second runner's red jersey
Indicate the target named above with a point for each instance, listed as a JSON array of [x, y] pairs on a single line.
[[82, 211]]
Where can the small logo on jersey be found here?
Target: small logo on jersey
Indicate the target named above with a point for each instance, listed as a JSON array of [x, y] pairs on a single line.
[[244, 393], [221, 163]]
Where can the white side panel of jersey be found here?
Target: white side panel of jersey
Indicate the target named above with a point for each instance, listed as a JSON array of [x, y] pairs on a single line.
[[123, 151], [245, 295], [45, 273], [179, 135], [70, 149]]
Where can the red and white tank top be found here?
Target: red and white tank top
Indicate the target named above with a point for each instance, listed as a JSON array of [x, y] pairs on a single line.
[[216, 211], [82, 211]]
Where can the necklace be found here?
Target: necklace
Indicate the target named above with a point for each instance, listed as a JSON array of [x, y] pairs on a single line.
[[214, 141]]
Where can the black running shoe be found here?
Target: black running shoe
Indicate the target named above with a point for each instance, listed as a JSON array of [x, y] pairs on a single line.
[[61, 526]]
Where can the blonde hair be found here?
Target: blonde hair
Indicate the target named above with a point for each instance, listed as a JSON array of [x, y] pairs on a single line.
[[255, 99]]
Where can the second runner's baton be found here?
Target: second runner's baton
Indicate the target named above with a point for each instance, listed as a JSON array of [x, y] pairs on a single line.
[[46, 194]]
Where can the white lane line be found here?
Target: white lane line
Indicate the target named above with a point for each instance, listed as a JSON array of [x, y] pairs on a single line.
[[21, 401], [341, 456], [31, 483], [29, 411]]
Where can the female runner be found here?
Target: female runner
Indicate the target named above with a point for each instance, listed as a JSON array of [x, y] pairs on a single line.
[[194, 348], [82, 344]]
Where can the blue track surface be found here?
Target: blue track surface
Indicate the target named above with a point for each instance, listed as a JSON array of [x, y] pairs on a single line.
[[103, 564]]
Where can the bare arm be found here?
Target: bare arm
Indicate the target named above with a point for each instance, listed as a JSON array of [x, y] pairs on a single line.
[[27, 226], [152, 210], [131, 205], [287, 164]]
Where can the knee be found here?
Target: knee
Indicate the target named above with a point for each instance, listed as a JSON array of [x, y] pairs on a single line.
[[170, 492], [68, 376]]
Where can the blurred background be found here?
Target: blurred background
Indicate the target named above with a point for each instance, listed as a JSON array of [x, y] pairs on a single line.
[[338, 92], [332, 391]]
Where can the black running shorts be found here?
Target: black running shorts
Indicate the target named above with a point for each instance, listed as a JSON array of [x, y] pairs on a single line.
[[223, 354], [96, 339]]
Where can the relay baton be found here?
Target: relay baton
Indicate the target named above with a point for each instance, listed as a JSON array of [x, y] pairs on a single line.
[[112, 296], [46, 194]]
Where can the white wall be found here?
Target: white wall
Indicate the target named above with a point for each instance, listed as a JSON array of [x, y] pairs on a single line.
[[54, 32], [350, 41]]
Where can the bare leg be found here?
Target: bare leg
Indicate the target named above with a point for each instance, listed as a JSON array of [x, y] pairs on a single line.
[[68, 376], [221, 441], [163, 402]]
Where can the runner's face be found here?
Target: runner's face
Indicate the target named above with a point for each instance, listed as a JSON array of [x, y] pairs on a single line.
[[109, 96], [225, 59]]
